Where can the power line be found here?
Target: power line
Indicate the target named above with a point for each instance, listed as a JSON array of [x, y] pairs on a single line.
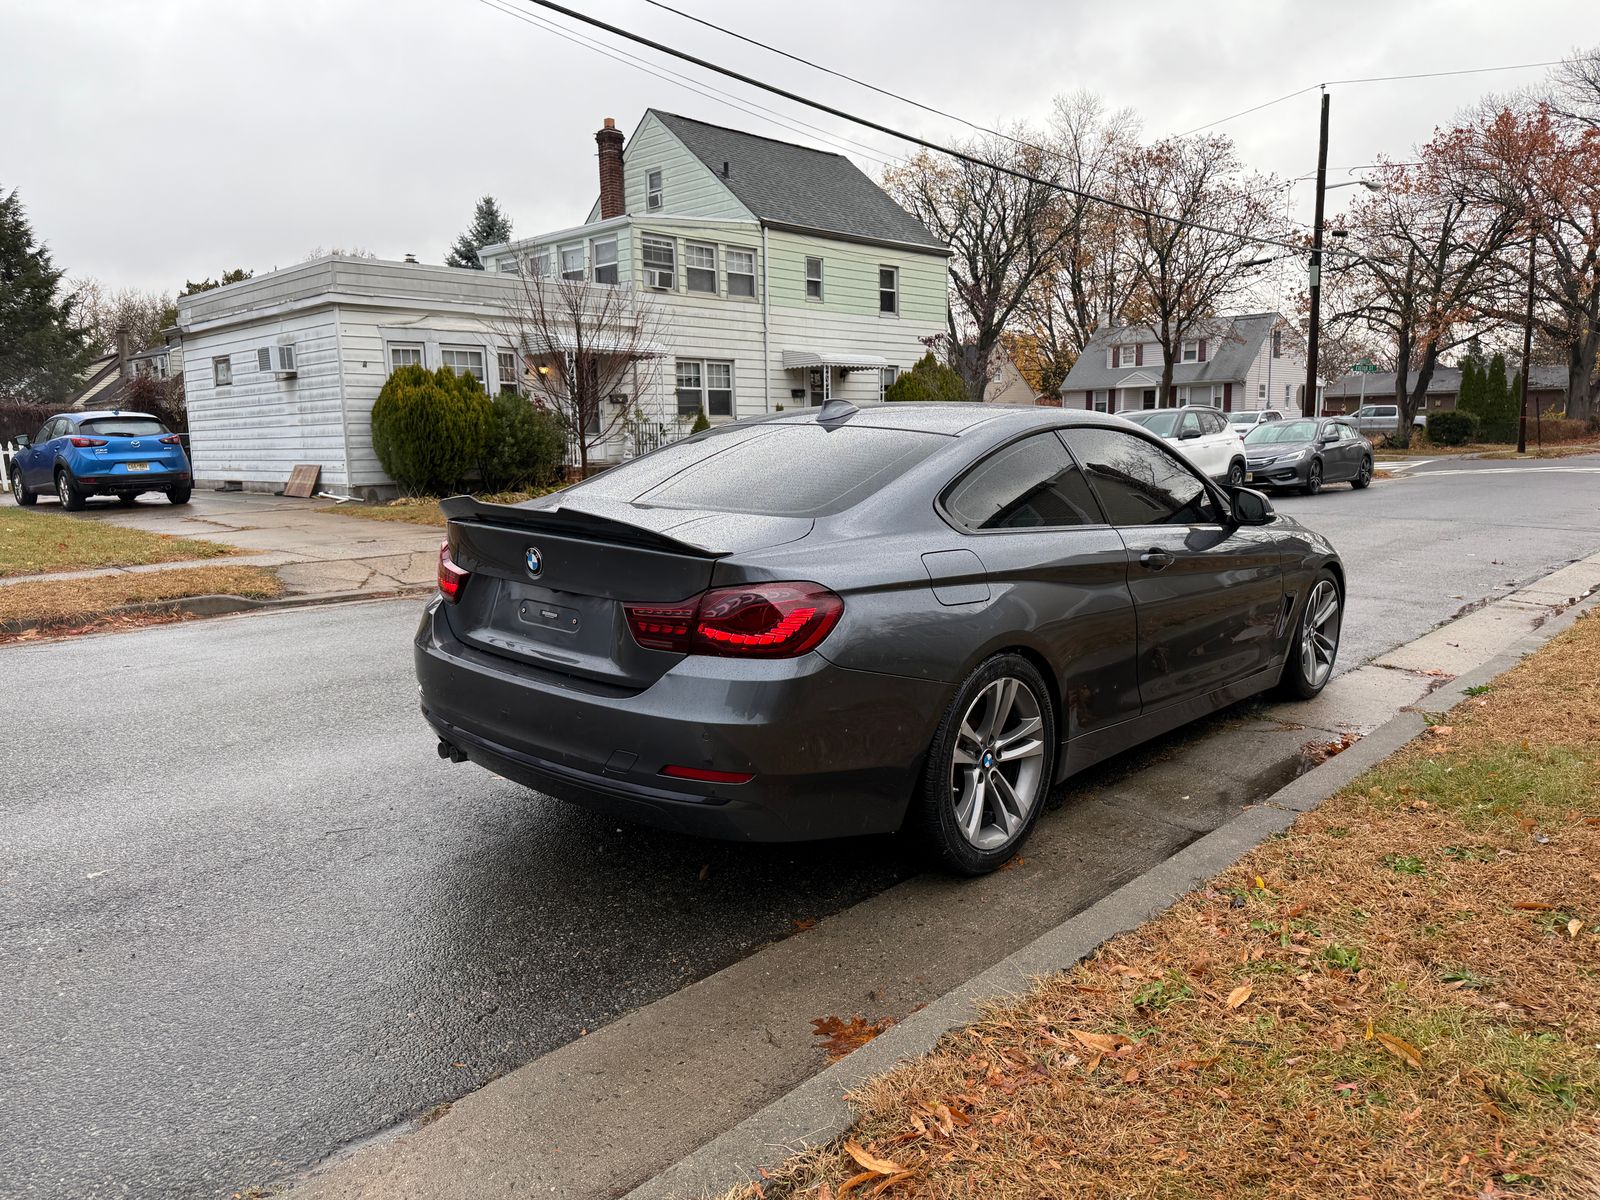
[[791, 125], [962, 156]]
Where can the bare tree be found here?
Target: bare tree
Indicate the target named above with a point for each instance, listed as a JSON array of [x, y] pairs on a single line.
[[1003, 232], [105, 311], [588, 352], [1576, 88], [1184, 275], [1089, 275]]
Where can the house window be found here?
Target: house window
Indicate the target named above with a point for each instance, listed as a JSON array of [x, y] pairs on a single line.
[[1261, 391], [508, 266], [700, 267], [704, 387], [1277, 343], [539, 264], [813, 279], [1124, 356], [741, 272], [510, 376], [659, 263], [1102, 401], [603, 254], [572, 263], [464, 359], [221, 371], [886, 379], [404, 356], [1191, 352], [889, 290], [652, 191], [1288, 394]]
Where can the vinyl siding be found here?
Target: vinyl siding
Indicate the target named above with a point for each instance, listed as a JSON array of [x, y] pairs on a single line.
[[689, 187], [1274, 372], [850, 278]]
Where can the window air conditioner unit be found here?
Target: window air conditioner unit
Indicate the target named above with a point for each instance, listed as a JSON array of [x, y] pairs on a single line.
[[286, 367], [660, 280]]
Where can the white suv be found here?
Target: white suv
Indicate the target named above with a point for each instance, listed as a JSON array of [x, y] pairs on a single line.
[[1201, 434]]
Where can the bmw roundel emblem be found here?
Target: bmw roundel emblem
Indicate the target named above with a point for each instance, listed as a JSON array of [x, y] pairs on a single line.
[[535, 560]]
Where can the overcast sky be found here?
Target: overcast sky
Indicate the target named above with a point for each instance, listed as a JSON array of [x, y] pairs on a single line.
[[159, 140]]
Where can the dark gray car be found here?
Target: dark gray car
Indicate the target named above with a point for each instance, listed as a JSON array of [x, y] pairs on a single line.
[[1306, 453], [844, 622]]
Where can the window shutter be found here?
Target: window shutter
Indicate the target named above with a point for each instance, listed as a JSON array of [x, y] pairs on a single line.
[[264, 359], [1088, 399], [1202, 349], [1138, 355], [1227, 397]]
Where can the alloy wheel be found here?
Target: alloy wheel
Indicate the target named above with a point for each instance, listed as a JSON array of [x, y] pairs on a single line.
[[1319, 636], [1235, 474], [1314, 478], [63, 492], [16, 485], [996, 771]]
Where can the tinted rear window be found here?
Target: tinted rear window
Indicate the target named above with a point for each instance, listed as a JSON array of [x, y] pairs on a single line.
[[122, 427], [1162, 424], [773, 470]]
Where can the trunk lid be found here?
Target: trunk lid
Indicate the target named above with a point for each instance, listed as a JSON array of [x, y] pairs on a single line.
[[550, 581]]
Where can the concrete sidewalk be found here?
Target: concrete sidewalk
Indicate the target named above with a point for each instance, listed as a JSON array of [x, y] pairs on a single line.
[[315, 553]]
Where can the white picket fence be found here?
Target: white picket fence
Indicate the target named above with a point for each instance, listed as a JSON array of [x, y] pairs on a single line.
[[6, 451]]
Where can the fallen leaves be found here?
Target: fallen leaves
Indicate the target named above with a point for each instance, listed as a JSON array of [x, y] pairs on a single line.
[[1240, 994], [1400, 1048], [879, 1166], [838, 1037], [1101, 1043]]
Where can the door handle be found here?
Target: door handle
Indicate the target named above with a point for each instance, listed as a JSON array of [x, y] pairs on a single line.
[[1155, 559]]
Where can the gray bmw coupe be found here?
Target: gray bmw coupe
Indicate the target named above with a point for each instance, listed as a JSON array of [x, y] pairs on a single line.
[[846, 621]]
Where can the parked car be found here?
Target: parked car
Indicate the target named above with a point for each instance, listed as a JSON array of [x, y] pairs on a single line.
[[1247, 420], [1381, 418], [849, 621], [81, 454], [1202, 434], [1307, 453]]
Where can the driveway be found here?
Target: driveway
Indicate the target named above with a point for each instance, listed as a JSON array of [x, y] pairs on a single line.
[[250, 917]]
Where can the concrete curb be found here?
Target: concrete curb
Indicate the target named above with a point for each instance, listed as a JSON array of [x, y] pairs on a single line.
[[817, 1111], [211, 606]]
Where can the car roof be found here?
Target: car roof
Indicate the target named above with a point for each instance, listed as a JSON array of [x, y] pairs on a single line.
[[93, 413], [950, 420]]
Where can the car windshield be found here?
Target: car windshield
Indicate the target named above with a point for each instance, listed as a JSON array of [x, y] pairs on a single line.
[[1162, 424], [1242, 419], [1282, 431], [131, 427]]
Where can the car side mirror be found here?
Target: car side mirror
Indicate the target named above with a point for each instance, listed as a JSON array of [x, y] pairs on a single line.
[[1188, 435], [23, 441], [1329, 438], [1250, 507]]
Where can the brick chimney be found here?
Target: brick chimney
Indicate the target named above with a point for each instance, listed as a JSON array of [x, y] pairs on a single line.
[[612, 202]]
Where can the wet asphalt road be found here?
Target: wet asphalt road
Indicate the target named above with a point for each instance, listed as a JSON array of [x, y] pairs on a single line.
[[247, 916]]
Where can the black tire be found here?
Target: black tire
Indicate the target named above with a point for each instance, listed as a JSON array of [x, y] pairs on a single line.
[[1313, 483], [1236, 473], [1363, 475], [127, 499], [934, 812], [1298, 682], [179, 495], [18, 491], [67, 491]]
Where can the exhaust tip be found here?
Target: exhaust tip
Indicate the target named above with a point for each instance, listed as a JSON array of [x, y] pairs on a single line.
[[454, 753]]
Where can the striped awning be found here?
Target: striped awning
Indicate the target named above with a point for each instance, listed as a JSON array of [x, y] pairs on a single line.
[[802, 360]]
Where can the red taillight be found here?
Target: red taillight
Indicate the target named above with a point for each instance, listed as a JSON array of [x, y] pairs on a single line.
[[763, 620], [83, 441], [700, 775], [172, 439], [451, 577]]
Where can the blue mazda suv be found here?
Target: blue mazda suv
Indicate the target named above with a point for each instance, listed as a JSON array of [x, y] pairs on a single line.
[[81, 454]]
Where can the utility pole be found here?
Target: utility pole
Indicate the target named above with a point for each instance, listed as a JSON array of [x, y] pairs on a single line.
[[1527, 351], [1308, 402]]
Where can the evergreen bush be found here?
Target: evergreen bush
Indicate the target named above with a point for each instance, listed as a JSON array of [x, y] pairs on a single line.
[[525, 448], [929, 381], [1451, 428], [429, 428], [701, 422]]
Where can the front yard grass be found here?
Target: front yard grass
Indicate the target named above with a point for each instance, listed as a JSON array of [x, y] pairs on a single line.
[[1398, 996], [423, 510], [66, 602], [35, 543]]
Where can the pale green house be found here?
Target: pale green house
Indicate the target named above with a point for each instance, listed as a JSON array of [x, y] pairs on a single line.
[[785, 276]]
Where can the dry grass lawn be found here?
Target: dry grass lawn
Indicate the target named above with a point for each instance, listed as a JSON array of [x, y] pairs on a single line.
[[64, 603], [36, 543], [423, 510], [1399, 996]]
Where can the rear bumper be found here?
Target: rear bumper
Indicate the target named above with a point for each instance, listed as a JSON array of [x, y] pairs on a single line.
[[833, 752]]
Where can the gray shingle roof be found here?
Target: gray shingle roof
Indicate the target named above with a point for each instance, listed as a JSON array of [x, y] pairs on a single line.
[[1445, 381], [1232, 344], [784, 184]]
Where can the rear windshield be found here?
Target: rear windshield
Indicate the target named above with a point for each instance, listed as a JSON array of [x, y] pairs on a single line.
[[1282, 431], [123, 427], [1162, 424], [772, 470]]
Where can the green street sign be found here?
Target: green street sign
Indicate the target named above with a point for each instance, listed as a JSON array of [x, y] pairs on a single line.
[[1364, 367]]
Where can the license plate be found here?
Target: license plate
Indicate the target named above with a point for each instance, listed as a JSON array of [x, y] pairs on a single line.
[[1249, 475], [138, 466]]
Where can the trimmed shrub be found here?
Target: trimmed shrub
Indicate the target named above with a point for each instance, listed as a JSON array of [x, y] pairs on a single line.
[[1451, 428], [23, 416], [701, 422], [429, 428], [526, 446], [929, 381]]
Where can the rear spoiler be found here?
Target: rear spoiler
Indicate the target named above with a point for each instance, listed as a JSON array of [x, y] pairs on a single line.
[[572, 523]]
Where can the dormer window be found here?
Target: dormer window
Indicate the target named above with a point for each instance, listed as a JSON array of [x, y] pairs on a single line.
[[652, 191], [1191, 352], [1124, 356]]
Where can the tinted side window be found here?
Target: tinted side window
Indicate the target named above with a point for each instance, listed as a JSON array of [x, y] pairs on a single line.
[[1031, 484], [1213, 423], [1139, 483], [1191, 424]]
